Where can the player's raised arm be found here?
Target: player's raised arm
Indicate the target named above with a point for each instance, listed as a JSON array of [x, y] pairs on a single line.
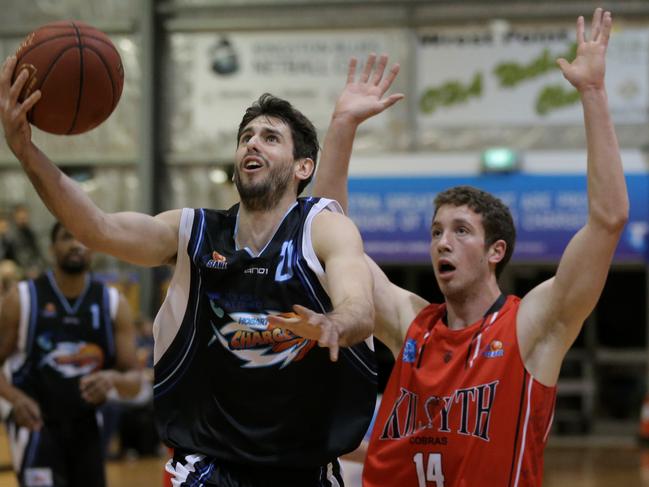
[[552, 314], [361, 99], [133, 237], [395, 309]]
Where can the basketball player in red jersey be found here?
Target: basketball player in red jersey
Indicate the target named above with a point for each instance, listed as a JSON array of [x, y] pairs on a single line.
[[471, 398]]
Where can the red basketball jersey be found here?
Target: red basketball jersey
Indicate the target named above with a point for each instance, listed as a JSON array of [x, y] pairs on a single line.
[[460, 410]]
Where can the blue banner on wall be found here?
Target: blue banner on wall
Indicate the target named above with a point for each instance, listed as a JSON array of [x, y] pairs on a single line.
[[394, 214]]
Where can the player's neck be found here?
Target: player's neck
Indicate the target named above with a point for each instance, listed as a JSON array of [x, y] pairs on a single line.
[[70, 285], [465, 309], [256, 228]]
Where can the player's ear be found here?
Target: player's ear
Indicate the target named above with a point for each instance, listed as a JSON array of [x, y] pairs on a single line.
[[304, 168], [497, 251]]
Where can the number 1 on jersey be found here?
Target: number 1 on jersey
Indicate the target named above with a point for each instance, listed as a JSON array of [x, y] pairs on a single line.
[[432, 472]]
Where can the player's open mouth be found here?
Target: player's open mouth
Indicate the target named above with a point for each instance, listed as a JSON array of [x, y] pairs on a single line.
[[252, 163], [445, 268]]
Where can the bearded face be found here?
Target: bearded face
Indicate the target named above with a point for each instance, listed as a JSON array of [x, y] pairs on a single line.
[[265, 165], [74, 262], [71, 256], [264, 193]]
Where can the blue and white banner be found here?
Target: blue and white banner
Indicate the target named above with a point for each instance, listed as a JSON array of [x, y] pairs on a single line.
[[394, 214]]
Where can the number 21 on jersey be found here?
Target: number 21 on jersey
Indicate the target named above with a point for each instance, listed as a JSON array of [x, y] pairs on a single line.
[[430, 471]]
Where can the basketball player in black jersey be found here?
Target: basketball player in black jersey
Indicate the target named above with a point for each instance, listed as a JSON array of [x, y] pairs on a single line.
[[66, 341], [243, 402]]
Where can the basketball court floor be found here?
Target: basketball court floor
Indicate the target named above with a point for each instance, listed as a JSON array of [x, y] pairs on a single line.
[[566, 466]]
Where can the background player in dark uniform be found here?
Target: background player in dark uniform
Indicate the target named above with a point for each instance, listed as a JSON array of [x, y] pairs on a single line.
[[67, 340], [471, 397], [232, 391]]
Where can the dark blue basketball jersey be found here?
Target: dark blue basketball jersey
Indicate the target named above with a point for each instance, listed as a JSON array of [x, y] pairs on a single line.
[[230, 386], [60, 341]]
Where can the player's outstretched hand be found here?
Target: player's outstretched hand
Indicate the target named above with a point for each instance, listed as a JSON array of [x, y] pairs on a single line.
[[588, 68], [26, 412], [364, 97], [311, 325], [96, 386], [17, 130]]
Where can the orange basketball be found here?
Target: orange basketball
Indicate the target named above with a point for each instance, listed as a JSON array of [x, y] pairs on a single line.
[[79, 72]]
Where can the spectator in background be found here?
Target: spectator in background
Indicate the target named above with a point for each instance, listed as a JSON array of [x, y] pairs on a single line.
[[69, 342], [7, 245], [9, 275], [27, 251]]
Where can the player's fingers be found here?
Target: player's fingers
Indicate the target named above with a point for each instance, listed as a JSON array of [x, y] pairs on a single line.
[[7, 70], [17, 86], [331, 341], [391, 100], [303, 312], [87, 381], [30, 102], [380, 69], [308, 332], [563, 64], [274, 320], [389, 79], [34, 424], [367, 69], [596, 24], [607, 23], [351, 70], [333, 352], [328, 337], [34, 413], [580, 30]]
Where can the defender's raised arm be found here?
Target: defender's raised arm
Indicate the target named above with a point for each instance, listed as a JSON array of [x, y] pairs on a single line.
[[552, 314]]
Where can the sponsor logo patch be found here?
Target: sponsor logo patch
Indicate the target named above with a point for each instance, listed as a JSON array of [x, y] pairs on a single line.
[[217, 261], [49, 310], [495, 349], [410, 351]]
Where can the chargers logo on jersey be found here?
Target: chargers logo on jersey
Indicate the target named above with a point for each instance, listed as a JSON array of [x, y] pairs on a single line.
[[258, 344], [74, 359]]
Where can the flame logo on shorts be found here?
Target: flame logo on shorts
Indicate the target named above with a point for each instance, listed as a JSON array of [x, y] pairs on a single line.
[[258, 344]]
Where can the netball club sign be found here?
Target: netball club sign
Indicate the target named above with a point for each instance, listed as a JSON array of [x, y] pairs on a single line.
[[220, 74], [474, 77]]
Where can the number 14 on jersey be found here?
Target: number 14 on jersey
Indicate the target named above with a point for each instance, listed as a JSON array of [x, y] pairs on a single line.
[[431, 471]]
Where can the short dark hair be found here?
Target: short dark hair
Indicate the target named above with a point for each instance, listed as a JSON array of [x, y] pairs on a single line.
[[54, 232], [496, 218], [305, 136]]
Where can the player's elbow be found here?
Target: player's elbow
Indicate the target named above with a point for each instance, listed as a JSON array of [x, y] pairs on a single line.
[[612, 219], [92, 233]]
